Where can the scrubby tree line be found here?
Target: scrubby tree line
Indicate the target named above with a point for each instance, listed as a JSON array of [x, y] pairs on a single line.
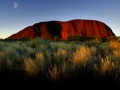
[[70, 37], [76, 37]]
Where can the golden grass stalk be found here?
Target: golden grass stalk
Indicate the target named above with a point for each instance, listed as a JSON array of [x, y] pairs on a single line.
[[31, 67], [1, 55], [60, 56], [63, 66], [117, 53], [115, 44], [54, 73], [107, 65], [65, 70], [81, 55], [40, 57]]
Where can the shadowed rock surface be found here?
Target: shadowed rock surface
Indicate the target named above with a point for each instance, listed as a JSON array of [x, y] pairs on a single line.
[[50, 29]]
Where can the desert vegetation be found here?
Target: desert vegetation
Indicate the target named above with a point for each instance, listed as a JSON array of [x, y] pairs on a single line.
[[92, 61]]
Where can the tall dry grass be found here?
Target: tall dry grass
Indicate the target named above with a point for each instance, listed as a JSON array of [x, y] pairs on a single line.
[[107, 65], [107, 69], [55, 73], [81, 56], [61, 60], [31, 68], [115, 45]]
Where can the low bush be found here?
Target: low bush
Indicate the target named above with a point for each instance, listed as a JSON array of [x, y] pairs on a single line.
[[56, 38], [108, 39], [24, 39]]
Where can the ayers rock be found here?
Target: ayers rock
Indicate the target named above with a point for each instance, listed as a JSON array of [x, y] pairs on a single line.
[[49, 29]]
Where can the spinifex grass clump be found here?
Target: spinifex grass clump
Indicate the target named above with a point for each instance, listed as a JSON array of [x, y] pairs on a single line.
[[61, 61]]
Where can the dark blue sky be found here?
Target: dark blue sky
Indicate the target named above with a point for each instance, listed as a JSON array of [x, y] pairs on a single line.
[[15, 15]]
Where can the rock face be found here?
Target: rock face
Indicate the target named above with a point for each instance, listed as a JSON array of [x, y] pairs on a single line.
[[50, 29]]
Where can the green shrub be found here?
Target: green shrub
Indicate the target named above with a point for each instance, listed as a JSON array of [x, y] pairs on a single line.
[[37, 42], [56, 38], [9, 39], [69, 37], [91, 38], [1, 39], [82, 38], [24, 39], [109, 38], [75, 37]]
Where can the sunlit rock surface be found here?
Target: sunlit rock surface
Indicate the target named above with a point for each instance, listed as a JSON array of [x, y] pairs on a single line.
[[49, 29]]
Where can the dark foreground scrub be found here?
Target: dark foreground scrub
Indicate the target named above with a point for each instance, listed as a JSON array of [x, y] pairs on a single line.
[[40, 84]]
